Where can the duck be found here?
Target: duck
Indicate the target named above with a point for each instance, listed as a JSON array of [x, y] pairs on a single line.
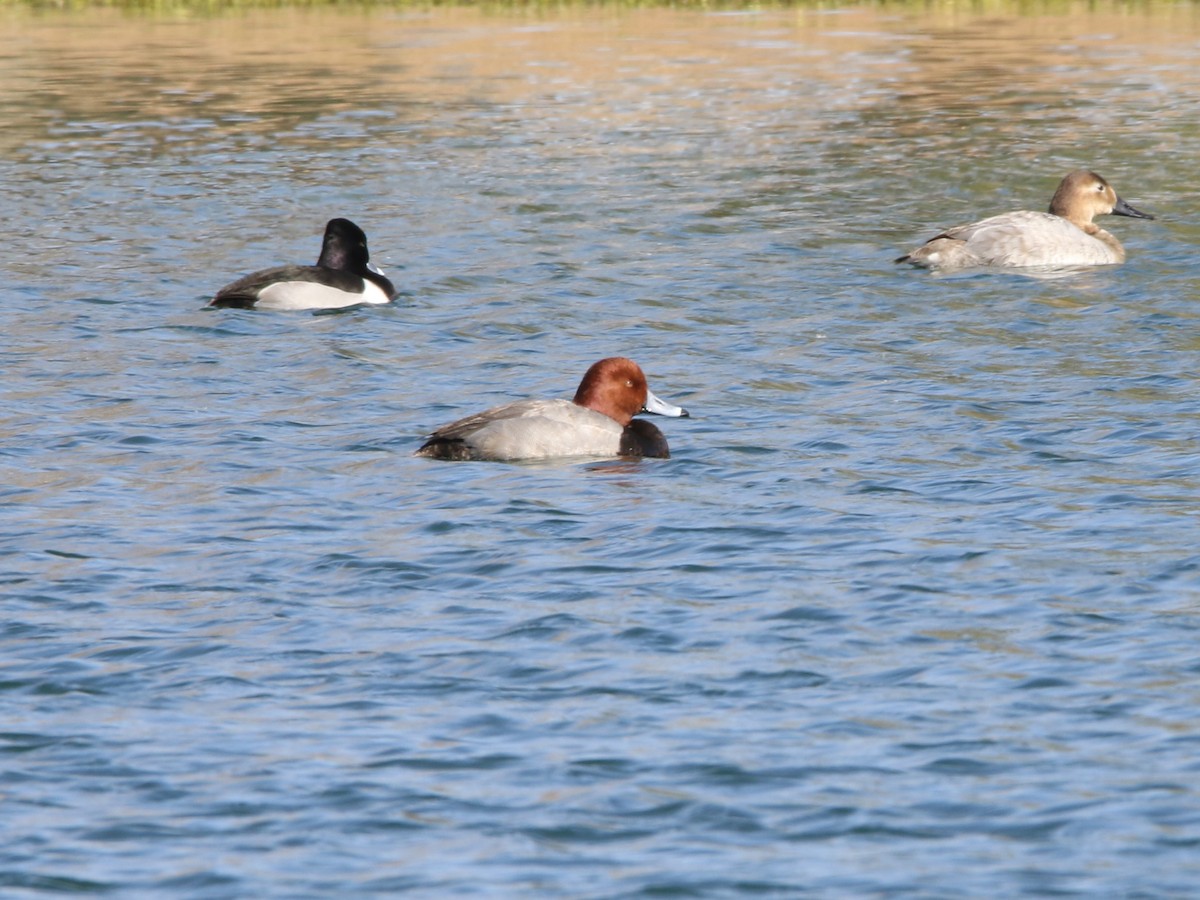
[[342, 277], [599, 422], [1064, 236]]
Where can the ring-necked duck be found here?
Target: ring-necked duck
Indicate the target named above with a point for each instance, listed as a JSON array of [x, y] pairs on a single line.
[[343, 276]]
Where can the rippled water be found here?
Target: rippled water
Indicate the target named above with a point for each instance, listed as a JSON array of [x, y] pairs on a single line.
[[912, 611]]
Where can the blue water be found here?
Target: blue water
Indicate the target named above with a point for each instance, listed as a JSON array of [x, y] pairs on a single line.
[[913, 610]]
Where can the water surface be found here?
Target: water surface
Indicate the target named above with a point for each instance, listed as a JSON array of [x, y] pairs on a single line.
[[912, 610]]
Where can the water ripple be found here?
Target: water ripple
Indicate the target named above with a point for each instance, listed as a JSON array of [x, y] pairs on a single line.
[[911, 610]]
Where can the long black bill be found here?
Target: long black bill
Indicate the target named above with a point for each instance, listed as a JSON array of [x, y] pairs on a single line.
[[1124, 209]]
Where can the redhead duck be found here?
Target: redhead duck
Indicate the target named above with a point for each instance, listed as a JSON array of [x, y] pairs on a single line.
[[342, 277], [598, 422], [1065, 236]]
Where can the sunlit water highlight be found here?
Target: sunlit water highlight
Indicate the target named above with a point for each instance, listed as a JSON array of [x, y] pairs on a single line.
[[912, 610]]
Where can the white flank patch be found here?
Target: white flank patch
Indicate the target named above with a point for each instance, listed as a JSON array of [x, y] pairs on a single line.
[[311, 295]]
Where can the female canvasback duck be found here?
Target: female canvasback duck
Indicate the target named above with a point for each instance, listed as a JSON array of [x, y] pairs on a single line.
[[598, 422], [1065, 236], [343, 276]]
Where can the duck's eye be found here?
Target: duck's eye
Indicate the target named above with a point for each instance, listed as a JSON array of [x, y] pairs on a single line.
[[628, 384]]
